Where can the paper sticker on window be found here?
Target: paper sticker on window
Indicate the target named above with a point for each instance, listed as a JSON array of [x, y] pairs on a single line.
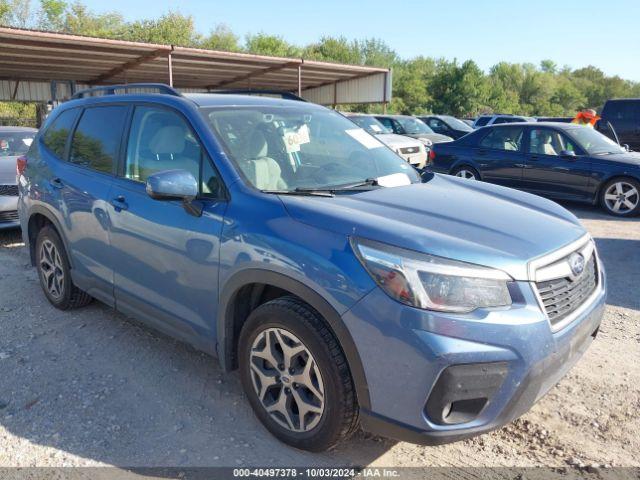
[[364, 138], [293, 140]]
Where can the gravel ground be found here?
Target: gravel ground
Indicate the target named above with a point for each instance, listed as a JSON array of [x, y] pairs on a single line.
[[92, 388]]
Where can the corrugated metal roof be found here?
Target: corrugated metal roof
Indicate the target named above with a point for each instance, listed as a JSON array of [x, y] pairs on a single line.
[[37, 56]]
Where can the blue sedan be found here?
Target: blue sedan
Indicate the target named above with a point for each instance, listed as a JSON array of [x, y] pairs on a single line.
[[556, 160]]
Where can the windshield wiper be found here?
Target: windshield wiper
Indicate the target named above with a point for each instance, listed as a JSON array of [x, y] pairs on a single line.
[[301, 191]]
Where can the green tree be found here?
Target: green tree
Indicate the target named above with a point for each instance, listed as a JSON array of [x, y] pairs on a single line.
[[222, 38], [264, 44], [171, 28], [459, 90]]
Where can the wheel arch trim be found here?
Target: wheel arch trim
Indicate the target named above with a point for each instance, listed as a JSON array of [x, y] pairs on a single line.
[[225, 338], [45, 212]]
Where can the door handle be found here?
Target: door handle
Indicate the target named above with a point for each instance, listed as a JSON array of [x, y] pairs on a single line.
[[56, 183], [534, 157], [119, 203]]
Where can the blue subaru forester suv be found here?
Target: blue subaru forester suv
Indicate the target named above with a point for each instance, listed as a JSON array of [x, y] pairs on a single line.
[[295, 247]]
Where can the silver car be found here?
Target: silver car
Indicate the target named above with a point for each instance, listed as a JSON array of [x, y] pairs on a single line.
[[14, 142]]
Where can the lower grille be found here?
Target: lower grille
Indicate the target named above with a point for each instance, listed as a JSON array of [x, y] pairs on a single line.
[[562, 296], [8, 190], [8, 216]]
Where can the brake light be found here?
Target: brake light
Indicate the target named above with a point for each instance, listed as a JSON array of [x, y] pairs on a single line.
[[21, 165], [432, 155]]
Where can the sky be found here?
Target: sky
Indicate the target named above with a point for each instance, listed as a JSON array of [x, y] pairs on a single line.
[[576, 33]]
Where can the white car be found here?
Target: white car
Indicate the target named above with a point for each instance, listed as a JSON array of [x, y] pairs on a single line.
[[414, 151], [14, 141]]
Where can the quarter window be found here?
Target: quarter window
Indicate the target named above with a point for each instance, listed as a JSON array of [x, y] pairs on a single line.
[[55, 138], [96, 140], [504, 138]]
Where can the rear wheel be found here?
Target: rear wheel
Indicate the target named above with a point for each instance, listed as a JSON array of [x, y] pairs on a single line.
[[621, 197], [296, 376], [467, 172], [54, 272]]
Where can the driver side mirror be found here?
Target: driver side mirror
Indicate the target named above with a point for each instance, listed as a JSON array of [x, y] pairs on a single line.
[[568, 154], [175, 185]]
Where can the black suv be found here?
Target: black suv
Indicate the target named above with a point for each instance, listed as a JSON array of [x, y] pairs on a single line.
[[624, 116]]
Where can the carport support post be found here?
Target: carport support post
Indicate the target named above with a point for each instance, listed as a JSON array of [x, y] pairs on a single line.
[[299, 80], [170, 69]]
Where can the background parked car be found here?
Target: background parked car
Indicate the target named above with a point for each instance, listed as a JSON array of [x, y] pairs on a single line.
[[412, 127], [558, 160], [486, 120], [554, 119], [413, 151], [624, 117], [14, 141], [446, 125]]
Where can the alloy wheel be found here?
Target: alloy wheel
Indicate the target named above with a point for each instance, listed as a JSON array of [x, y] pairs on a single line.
[[621, 197], [287, 380], [468, 174], [52, 269]]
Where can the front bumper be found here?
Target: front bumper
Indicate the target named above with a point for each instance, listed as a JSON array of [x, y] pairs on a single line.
[[8, 212], [406, 350]]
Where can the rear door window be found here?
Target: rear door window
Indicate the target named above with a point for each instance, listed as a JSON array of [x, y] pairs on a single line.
[[96, 140], [482, 121], [55, 138], [504, 138]]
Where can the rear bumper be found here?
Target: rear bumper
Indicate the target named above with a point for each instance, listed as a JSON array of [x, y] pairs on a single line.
[[535, 358]]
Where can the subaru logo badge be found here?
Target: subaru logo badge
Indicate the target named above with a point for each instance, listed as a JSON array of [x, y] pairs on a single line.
[[576, 263]]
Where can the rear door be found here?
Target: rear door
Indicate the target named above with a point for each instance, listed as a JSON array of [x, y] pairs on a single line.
[[499, 156], [166, 259], [81, 183], [550, 171]]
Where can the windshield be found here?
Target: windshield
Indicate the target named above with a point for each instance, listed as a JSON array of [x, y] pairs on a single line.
[[13, 144], [457, 124], [413, 126], [594, 142], [370, 124], [291, 148]]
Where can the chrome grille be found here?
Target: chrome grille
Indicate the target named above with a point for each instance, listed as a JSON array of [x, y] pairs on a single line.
[[8, 190], [8, 216], [562, 296]]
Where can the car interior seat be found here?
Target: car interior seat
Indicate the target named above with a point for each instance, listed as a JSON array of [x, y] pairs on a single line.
[[262, 171]]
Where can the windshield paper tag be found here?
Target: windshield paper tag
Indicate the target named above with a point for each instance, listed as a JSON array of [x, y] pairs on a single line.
[[293, 140], [394, 180], [364, 138]]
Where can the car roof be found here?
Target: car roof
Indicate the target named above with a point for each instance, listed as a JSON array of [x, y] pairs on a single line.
[[562, 125], [17, 129]]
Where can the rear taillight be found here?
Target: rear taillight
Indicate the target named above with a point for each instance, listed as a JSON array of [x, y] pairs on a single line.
[[432, 155], [21, 165]]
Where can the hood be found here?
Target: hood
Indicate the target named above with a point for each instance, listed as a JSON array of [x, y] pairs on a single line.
[[629, 158], [397, 141], [8, 170], [434, 137], [450, 217]]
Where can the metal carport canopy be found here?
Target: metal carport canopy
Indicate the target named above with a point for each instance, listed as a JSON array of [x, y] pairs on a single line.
[[30, 60]]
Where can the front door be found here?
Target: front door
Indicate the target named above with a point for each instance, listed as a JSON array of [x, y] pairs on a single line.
[[555, 166], [500, 157], [166, 259]]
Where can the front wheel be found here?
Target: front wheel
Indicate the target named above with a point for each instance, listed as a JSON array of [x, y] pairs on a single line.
[[469, 173], [621, 197], [296, 376]]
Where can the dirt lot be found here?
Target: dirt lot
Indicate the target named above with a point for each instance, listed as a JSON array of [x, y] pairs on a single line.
[[90, 387]]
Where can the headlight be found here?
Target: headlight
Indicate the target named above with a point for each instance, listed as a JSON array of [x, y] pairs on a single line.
[[430, 282]]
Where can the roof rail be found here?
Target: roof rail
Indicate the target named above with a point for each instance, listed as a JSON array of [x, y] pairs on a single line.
[[111, 89], [285, 95]]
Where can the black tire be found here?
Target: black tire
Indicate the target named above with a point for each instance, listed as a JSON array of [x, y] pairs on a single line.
[[340, 415], [623, 211], [69, 296], [457, 171]]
